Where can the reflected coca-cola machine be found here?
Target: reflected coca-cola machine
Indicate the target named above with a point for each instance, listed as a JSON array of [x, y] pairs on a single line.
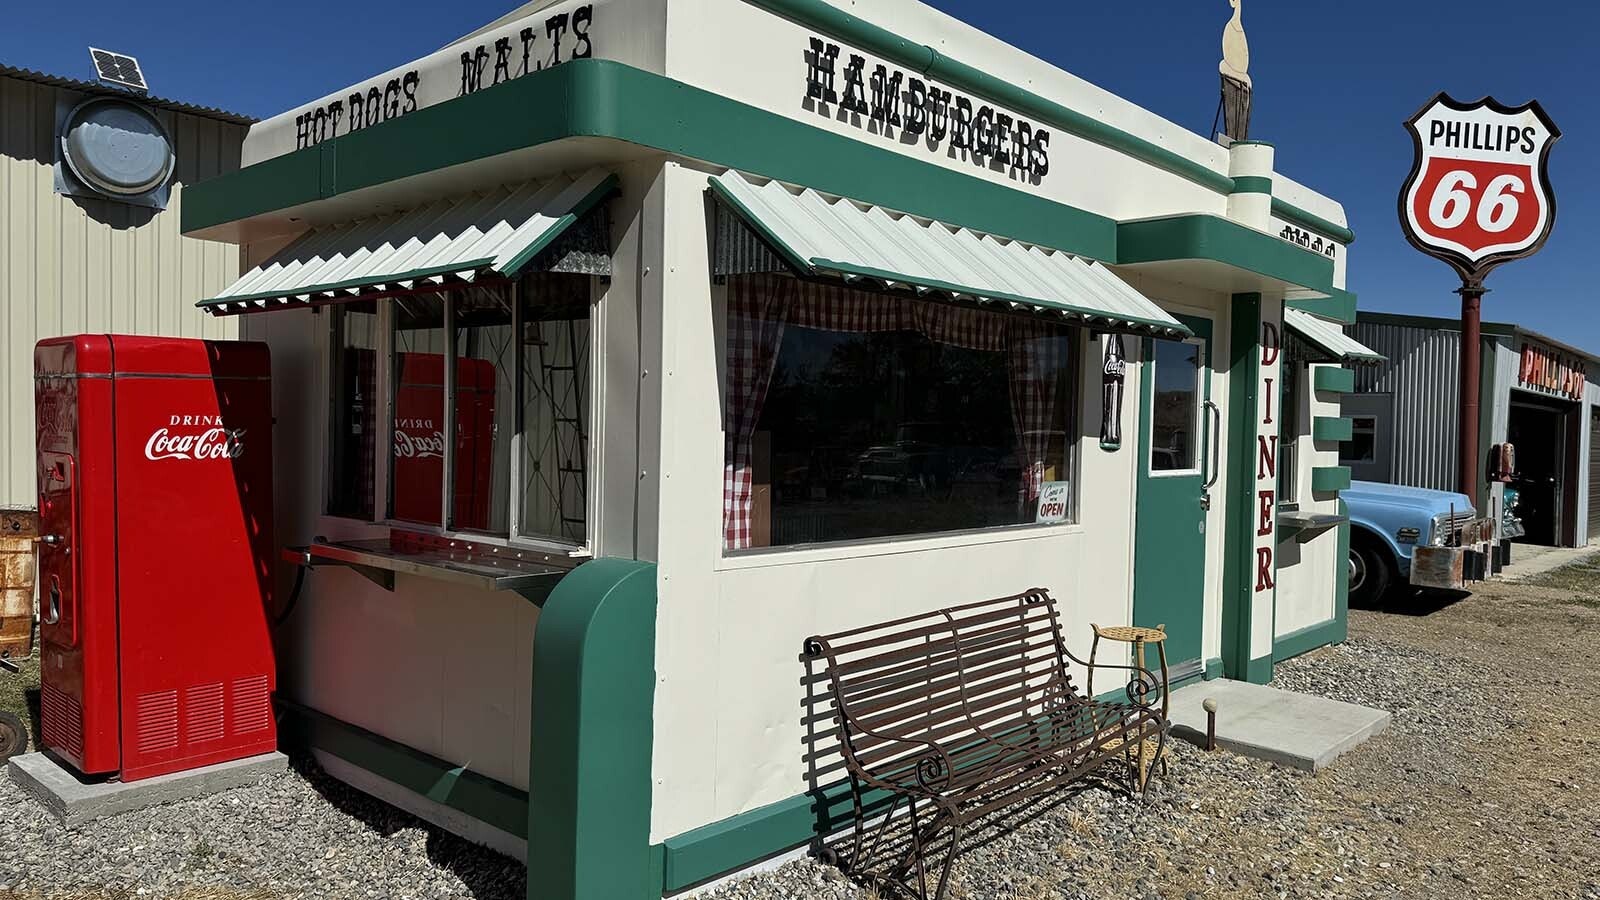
[[419, 440], [155, 556]]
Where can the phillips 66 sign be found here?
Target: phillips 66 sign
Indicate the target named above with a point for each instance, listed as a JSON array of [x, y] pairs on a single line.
[[1478, 193]]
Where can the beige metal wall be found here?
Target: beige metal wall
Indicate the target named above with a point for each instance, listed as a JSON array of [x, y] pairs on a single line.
[[71, 265]]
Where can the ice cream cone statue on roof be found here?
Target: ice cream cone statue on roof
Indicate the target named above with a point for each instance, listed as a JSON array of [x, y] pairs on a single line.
[[1235, 68]]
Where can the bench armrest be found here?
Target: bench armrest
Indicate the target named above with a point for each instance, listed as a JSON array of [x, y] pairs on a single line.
[[1142, 683], [932, 769]]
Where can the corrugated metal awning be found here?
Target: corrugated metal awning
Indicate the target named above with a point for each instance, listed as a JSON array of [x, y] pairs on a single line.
[[1328, 337], [816, 234], [498, 232]]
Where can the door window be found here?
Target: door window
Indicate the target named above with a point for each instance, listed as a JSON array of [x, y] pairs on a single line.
[[1175, 407]]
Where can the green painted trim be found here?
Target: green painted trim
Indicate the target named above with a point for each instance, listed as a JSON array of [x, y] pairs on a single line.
[[1341, 576], [921, 58], [1290, 213], [1173, 326], [602, 191], [1339, 305], [1325, 479], [367, 281], [589, 781], [1307, 639], [605, 99], [1259, 671], [1333, 380], [1331, 428], [458, 787], [1252, 184], [1239, 484], [1213, 669], [1202, 236]]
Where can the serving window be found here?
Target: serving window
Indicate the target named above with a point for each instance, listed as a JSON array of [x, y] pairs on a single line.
[[502, 369], [854, 415]]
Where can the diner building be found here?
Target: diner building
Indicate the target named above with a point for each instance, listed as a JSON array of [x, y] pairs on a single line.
[[622, 345]]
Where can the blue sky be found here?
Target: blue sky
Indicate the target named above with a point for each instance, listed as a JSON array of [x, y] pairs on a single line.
[[1333, 83]]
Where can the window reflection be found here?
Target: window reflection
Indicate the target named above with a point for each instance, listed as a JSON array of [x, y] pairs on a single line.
[[353, 425], [1175, 407], [416, 471]]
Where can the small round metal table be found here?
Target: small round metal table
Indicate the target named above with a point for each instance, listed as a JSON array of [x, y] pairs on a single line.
[[1138, 636]]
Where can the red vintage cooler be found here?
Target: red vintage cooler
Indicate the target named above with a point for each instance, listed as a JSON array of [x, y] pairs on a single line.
[[155, 561]]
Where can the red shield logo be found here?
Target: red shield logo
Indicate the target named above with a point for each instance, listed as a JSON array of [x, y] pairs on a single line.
[[1478, 193]]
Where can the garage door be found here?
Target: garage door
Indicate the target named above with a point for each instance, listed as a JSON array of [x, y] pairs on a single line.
[[1594, 475]]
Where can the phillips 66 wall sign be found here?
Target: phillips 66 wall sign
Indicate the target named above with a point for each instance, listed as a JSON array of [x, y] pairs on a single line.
[[1478, 193]]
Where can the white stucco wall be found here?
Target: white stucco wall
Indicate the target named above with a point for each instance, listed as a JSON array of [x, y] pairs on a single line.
[[1307, 573]]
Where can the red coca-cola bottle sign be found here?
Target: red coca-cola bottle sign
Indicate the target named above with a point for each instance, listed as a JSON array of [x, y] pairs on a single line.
[[1479, 193]]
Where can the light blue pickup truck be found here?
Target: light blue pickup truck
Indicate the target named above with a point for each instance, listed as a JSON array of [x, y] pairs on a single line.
[[1388, 522]]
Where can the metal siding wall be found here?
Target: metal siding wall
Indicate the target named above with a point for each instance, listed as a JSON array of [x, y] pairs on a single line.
[[80, 265], [1423, 375]]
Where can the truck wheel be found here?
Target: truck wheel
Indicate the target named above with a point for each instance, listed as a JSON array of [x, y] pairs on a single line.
[[13, 736], [1371, 571]]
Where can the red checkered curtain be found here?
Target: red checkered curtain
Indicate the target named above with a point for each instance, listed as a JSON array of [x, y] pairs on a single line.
[[1033, 359], [756, 307]]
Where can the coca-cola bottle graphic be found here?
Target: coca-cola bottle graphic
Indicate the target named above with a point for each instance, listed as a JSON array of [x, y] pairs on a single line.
[[1111, 378]]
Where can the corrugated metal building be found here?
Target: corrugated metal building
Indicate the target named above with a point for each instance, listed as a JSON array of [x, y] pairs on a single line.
[[71, 264], [1534, 394]]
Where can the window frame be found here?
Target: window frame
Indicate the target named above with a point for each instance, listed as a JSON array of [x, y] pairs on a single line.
[[384, 378], [1355, 428], [852, 548]]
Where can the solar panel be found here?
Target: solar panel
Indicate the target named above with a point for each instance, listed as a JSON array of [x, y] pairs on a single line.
[[118, 69]]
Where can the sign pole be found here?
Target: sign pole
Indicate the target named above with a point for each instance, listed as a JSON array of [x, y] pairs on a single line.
[[1471, 292]]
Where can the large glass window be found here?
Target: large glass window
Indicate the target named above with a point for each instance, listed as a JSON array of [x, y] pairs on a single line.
[[853, 415], [416, 470], [353, 431], [1363, 444], [519, 450], [1175, 407], [555, 395]]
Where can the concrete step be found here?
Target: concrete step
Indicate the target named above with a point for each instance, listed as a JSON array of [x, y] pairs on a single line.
[[1295, 730]]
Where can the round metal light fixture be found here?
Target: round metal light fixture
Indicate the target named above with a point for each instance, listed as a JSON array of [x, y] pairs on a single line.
[[117, 147]]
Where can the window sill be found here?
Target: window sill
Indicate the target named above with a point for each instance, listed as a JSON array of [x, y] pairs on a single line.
[[770, 557], [345, 528]]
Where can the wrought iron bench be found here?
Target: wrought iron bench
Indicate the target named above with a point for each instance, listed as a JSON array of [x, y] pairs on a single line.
[[961, 717]]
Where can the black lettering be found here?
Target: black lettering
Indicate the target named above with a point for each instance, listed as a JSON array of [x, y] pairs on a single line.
[[581, 17], [939, 109], [820, 71], [1527, 139], [886, 95], [1039, 158], [1452, 134], [374, 105], [319, 125], [854, 87], [527, 35], [961, 132], [983, 131], [391, 96], [472, 64], [408, 86], [302, 129], [1435, 131], [916, 111], [336, 115], [554, 28], [502, 60], [1021, 141], [357, 111]]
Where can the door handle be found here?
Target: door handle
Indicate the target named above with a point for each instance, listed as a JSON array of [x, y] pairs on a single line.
[[1213, 412]]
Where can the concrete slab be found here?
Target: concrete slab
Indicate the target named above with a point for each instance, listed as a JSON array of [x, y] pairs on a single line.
[[1295, 730], [1528, 560], [73, 800]]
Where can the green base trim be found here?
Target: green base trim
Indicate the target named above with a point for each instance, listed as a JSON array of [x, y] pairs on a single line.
[[953, 73], [1238, 488], [589, 781], [1330, 478], [1341, 574], [1331, 380], [1339, 305], [1260, 670], [1309, 220], [1213, 668], [1207, 237], [458, 787], [604, 99], [1331, 428], [1252, 184], [1309, 638]]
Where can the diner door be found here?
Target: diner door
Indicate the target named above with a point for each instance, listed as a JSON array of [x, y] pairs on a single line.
[[1178, 428]]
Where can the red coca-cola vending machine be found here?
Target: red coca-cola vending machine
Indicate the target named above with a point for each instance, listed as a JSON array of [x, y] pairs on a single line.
[[419, 440], [155, 561]]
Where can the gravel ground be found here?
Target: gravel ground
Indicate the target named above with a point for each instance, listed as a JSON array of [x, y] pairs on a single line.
[[1483, 788]]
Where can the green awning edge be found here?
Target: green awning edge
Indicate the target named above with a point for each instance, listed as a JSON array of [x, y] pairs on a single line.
[[602, 191], [411, 275]]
